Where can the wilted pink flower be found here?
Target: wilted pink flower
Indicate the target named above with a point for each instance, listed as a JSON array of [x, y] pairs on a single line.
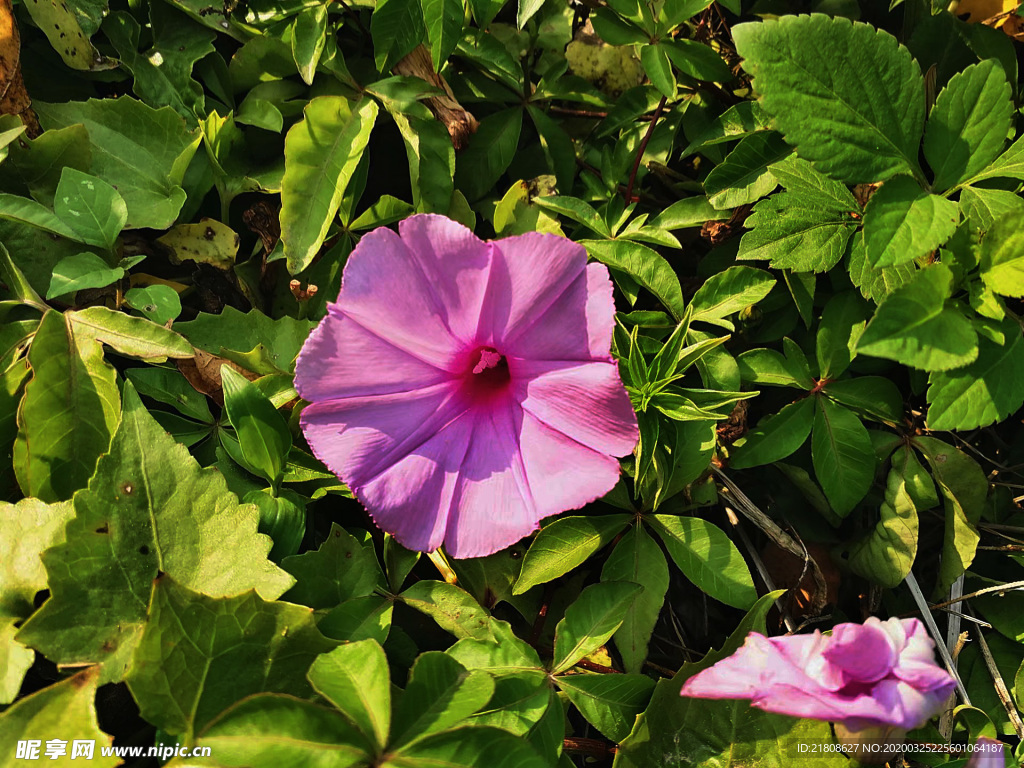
[[881, 673], [464, 390]]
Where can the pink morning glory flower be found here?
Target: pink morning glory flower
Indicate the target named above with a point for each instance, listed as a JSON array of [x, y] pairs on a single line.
[[464, 390], [988, 753], [880, 673]]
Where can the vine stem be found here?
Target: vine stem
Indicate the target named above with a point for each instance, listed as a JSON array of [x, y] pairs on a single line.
[[642, 149]]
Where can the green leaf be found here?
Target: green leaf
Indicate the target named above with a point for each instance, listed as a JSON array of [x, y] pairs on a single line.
[[133, 336], [341, 569], [282, 518], [158, 303], [489, 153], [441, 693], [84, 270], [1009, 165], [361, 618], [452, 608], [444, 28], [986, 391], [775, 437], [151, 509], [58, 22], [873, 396], [39, 162], [1002, 257], [90, 207], [842, 322], [24, 211], [308, 32], [697, 60], [208, 242], [728, 292], [565, 544], [843, 458], [688, 212], [609, 702], [527, 10], [707, 557], [262, 432], [469, 747], [658, 69], [431, 157], [354, 677], [270, 730], [593, 618], [793, 231], [875, 283], [27, 529], [170, 387], [767, 366], [251, 339], [646, 266], [321, 154], [142, 152], [65, 710], [163, 73], [903, 222], [181, 685], [743, 176], [968, 124], [848, 96], [576, 210], [637, 558], [396, 27], [886, 555], [72, 392], [982, 206], [964, 488], [913, 326]]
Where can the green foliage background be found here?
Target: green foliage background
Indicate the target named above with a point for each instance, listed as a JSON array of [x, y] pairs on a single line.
[[811, 212]]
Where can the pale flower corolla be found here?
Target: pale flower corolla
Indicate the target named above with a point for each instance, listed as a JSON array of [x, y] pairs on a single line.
[[464, 389], [880, 673]]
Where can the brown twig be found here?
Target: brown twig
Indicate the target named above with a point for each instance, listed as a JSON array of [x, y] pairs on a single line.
[[1000, 685], [592, 747], [642, 149]]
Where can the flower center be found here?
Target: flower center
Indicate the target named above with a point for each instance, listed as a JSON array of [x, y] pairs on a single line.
[[490, 369]]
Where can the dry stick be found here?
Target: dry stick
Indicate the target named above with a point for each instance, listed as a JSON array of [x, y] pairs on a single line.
[[986, 591], [933, 629], [642, 149], [956, 593], [997, 678], [772, 530], [761, 570]]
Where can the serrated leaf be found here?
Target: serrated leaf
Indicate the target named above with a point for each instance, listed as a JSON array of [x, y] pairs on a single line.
[[354, 677], [593, 618], [609, 702], [848, 96], [707, 557], [321, 154], [875, 283], [1002, 257], [886, 555], [65, 710], [987, 390], [341, 569], [775, 437], [142, 152], [744, 176], [361, 618], [903, 222], [151, 509], [72, 392], [913, 326], [181, 685], [441, 694], [637, 558], [844, 461], [794, 232], [968, 124]]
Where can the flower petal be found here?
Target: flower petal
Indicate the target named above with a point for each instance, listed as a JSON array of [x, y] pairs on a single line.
[[530, 274], [343, 359], [585, 402], [358, 438], [494, 506], [384, 290], [562, 473], [578, 326], [455, 263], [864, 652]]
